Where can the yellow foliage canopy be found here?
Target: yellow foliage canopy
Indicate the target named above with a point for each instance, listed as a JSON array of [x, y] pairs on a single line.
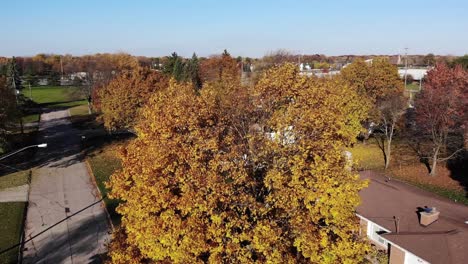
[[125, 95], [375, 80], [233, 175]]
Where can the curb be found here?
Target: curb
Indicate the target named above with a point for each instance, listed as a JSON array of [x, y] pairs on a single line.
[[93, 178], [103, 204], [23, 224]]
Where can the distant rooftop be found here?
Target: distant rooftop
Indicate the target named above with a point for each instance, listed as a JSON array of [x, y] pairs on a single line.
[[417, 74]]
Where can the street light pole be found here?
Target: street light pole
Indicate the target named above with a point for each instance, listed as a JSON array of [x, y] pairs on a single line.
[[43, 145]]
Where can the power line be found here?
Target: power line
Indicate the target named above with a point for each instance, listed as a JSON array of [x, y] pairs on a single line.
[[47, 229]]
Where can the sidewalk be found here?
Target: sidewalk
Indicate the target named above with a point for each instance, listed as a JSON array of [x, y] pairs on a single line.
[[62, 192]]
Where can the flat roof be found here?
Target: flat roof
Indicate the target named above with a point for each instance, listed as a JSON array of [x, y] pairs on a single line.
[[444, 241]]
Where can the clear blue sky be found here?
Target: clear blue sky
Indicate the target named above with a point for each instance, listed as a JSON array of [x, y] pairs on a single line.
[[246, 28]]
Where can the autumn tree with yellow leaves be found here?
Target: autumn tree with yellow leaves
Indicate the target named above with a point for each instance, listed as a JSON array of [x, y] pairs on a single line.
[[121, 99], [381, 89], [238, 175]]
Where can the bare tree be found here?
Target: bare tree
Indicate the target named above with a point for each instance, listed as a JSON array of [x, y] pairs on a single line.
[[390, 112]]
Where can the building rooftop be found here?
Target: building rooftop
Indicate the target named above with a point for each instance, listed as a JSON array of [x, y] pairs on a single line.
[[386, 201], [417, 74]]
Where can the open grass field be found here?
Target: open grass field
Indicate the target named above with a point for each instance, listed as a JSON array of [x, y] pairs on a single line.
[[10, 229], [406, 166], [14, 179], [57, 96]]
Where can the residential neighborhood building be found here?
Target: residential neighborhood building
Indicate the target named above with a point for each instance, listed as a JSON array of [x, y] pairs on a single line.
[[74, 78], [397, 217], [417, 74]]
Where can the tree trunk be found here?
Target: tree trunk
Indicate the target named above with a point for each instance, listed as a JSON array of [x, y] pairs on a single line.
[[388, 151], [465, 136], [89, 108], [434, 162], [388, 154]]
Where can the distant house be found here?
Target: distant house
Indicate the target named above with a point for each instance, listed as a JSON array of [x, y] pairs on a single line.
[[417, 74], [43, 81], [398, 218], [74, 79]]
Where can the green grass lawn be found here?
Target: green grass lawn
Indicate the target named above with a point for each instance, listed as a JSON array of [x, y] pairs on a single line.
[[32, 118], [57, 96], [14, 179], [413, 86], [10, 229], [103, 163], [80, 110]]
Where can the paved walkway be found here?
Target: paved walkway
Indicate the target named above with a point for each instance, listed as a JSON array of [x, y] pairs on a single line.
[[64, 216], [14, 194]]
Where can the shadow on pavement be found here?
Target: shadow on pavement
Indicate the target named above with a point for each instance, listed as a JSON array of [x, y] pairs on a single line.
[[66, 146], [79, 240]]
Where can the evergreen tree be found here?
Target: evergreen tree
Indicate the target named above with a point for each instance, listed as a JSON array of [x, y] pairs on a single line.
[[7, 111], [13, 84], [178, 70], [168, 67], [175, 67], [13, 77], [193, 72]]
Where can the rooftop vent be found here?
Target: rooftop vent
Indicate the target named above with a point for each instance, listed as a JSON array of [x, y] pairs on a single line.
[[428, 216]]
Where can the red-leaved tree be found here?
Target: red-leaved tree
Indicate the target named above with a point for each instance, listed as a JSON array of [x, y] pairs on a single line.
[[441, 109]]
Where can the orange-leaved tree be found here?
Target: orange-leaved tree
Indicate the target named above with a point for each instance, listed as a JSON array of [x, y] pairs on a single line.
[[233, 175], [217, 67], [122, 97]]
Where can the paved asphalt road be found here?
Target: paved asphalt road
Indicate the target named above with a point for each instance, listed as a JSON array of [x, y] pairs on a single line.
[[62, 188]]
